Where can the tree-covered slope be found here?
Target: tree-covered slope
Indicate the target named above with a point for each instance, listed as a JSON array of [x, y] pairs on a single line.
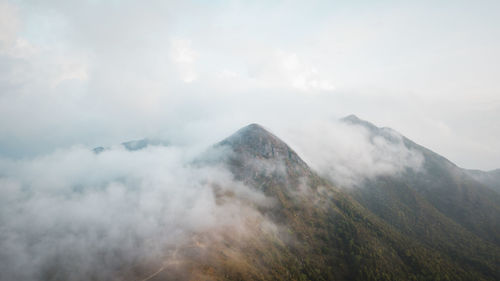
[[322, 233]]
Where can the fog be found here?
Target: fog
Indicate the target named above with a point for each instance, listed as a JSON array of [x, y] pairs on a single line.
[[84, 214], [348, 154], [90, 215], [98, 73]]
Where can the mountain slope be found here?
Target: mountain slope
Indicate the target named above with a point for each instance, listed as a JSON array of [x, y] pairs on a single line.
[[490, 179], [448, 188], [417, 225], [440, 205], [324, 234]]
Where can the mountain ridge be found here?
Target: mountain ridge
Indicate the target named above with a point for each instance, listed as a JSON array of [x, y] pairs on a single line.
[[452, 197], [427, 234], [435, 224]]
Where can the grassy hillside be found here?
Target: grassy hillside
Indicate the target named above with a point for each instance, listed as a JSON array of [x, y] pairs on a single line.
[[391, 233]]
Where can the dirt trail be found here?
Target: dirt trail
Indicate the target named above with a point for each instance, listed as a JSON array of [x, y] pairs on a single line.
[[173, 259]]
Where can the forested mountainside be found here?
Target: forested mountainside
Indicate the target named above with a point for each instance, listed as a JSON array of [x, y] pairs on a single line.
[[435, 224]]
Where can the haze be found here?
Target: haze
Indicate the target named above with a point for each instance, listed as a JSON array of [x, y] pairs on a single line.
[[102, 72]]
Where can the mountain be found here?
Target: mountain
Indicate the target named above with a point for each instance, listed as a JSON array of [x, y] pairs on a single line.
[[441, 205], [134, 145], [490, 179], [390, 229], [257, 156], [433, 223], [448, 189]]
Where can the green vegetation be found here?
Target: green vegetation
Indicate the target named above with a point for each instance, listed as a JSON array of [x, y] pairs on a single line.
[[397, 228]]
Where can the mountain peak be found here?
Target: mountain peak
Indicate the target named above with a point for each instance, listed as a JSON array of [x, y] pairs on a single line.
[[351, 117], [254, 128], [355, 120], [254, 141], [258, 158]]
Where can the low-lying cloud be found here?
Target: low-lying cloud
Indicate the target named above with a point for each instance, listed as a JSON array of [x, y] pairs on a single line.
[[77, 215], [348, 154]]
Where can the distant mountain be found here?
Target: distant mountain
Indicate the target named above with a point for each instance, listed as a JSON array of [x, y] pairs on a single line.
[[490, 179], [134, 145]]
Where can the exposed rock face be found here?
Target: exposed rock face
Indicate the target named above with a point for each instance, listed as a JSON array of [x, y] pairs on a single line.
[[255, 152], [257, 142]]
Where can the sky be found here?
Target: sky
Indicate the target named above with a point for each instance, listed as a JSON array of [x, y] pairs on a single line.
[[92, 73]]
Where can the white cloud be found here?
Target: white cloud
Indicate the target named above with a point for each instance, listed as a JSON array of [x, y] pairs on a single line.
[[90, 214], [103, 72], [69, 70], [11, 44], [9, 24], [303, 76], [279, 69], [349, 154], [185, 57]]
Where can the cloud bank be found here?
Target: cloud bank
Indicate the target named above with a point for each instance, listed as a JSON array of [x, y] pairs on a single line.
[[348, 154], [77, 215]]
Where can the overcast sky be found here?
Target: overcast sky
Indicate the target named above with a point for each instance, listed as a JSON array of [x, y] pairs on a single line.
[[102, 72]]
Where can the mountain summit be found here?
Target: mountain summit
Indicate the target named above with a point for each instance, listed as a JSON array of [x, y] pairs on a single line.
[[255, 141], [257, 155], [353, 119]]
